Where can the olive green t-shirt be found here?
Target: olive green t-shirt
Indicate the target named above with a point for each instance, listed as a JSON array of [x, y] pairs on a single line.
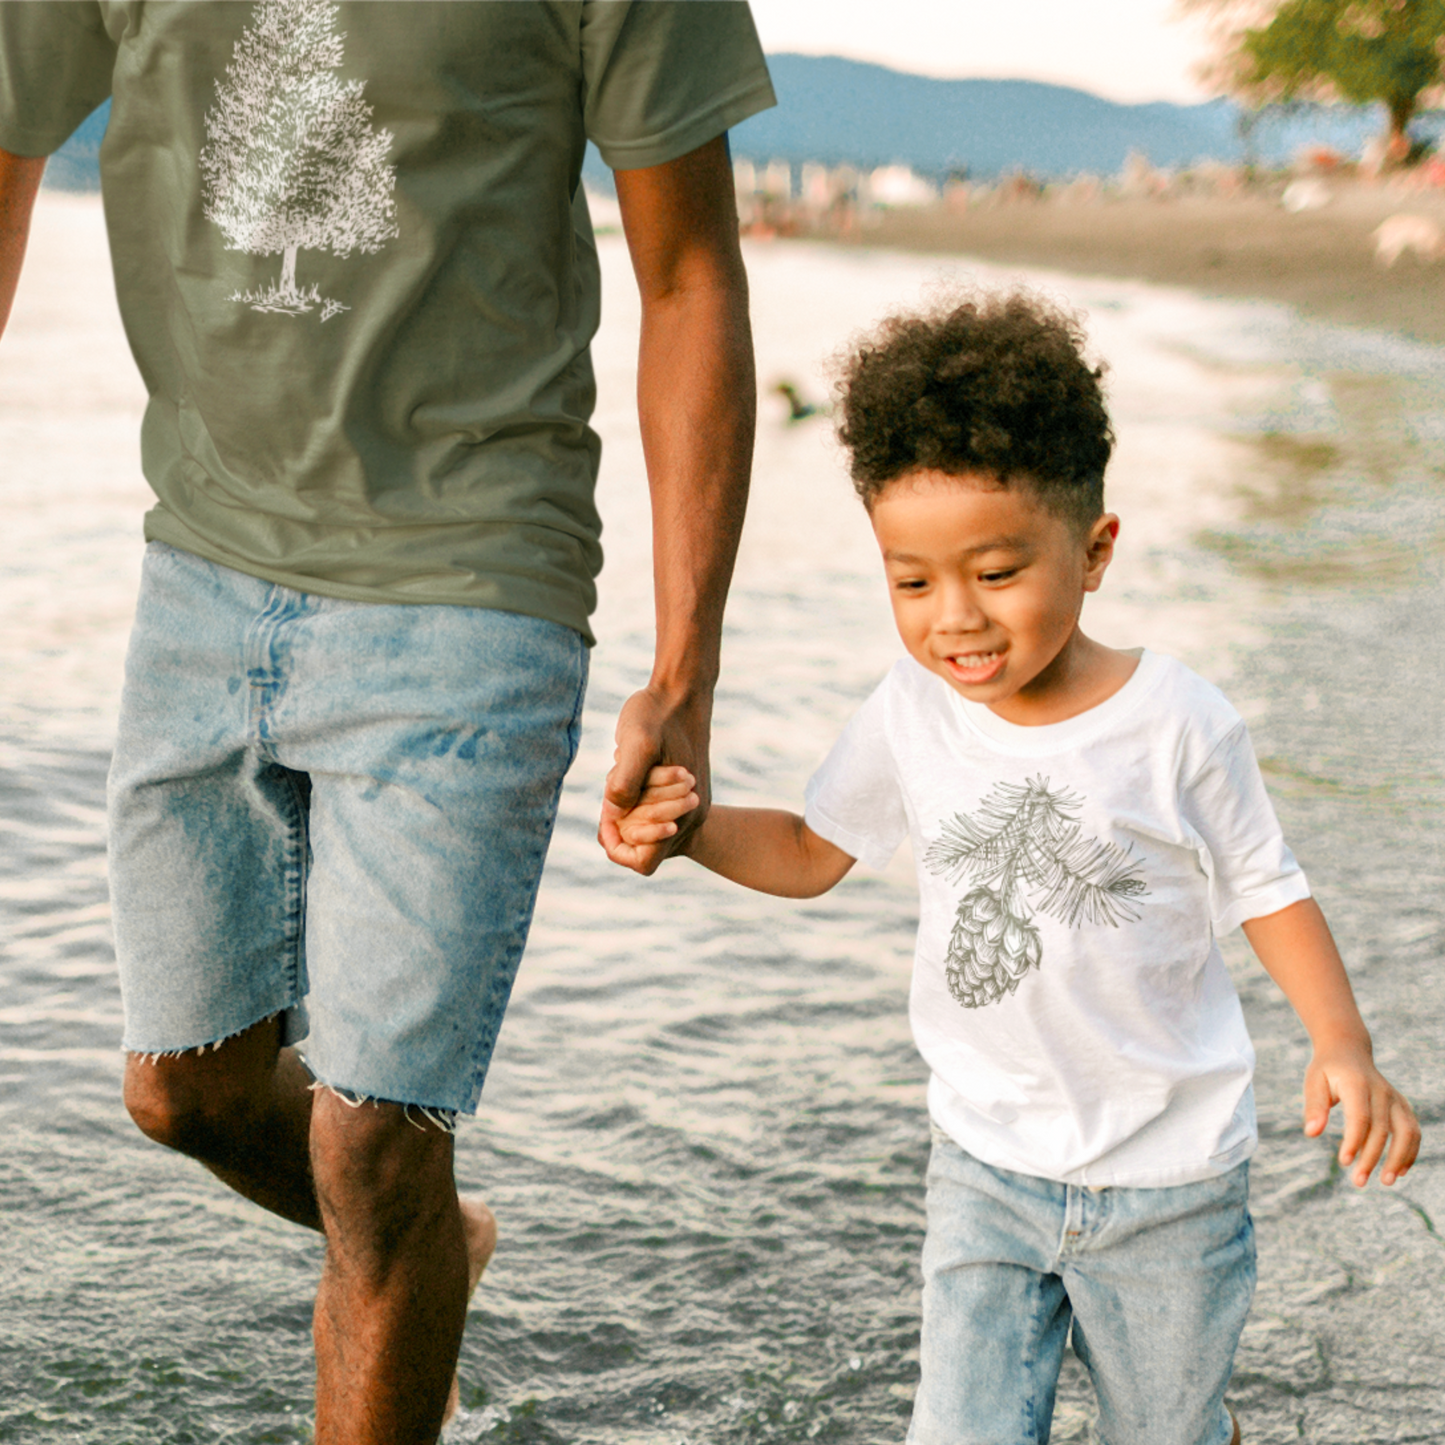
[[355, 267]]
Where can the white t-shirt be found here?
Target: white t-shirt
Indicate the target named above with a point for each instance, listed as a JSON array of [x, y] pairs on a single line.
[[1068, 994]]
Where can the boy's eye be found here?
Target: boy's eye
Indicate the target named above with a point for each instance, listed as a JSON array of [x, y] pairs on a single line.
[[910, 584], [1001, 575]]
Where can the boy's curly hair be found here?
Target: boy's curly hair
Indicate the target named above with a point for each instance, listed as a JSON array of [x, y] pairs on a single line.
[[992, 384]]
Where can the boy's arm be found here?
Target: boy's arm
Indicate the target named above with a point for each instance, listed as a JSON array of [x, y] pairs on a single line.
[[766, 849], [1298, 952], [769, 850]]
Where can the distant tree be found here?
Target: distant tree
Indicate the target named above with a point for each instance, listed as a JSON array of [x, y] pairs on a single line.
[[292, 161], [1361, 51]]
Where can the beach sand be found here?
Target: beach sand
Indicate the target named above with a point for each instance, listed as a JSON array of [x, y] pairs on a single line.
[[1321, 261]]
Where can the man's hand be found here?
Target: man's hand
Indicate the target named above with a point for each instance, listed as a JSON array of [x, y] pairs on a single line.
[[670, 794], [652, 731]]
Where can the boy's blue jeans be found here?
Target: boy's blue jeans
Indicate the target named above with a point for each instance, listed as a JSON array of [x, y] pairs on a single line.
[[336, 811], [1156, 1283]]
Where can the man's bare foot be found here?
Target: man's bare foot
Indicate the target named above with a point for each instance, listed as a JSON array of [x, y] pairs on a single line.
[[479, 1225]]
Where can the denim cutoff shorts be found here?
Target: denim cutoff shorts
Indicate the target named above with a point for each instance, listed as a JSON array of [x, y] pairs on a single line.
[[336, 812], [1156, 1284]]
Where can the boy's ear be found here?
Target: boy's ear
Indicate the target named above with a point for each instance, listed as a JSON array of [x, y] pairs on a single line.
[[1099, 550]]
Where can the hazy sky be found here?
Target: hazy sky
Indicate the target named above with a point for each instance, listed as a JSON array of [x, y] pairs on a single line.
[[1128, 50]]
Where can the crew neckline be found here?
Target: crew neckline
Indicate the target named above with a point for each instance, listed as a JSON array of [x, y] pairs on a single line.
[[1051, 737]]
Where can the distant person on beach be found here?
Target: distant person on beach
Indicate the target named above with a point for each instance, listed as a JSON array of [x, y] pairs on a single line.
[[353, 259], [1086, 822]]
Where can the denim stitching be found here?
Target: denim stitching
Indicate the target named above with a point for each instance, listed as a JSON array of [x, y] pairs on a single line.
[[537, 858], [294, 873], [1030, 1403]]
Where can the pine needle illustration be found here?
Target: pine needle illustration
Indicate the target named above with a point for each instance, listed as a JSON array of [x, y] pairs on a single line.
[[1024, 846]]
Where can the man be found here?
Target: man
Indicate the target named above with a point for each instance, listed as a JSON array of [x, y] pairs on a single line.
[[355, 268]]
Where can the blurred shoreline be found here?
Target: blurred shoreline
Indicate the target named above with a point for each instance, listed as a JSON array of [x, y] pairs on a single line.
[[1321, 257]]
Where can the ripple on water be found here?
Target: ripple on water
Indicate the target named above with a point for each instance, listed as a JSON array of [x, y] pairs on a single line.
[[704, 1135]]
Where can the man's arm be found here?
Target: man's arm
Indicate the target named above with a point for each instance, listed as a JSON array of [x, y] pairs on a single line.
[[19, 181], [696, 402], [1298, 952]]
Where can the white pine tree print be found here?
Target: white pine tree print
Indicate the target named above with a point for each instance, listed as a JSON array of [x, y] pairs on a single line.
[[292, 162]]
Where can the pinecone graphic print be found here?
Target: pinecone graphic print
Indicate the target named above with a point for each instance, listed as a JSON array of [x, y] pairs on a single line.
[[1024, 849]]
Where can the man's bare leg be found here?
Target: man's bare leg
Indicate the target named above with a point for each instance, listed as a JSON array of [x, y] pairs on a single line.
[[242, 1109], [393, 1296], [385, 1330]]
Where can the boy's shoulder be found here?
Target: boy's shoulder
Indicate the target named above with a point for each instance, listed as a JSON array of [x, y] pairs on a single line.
[[1177, 687]]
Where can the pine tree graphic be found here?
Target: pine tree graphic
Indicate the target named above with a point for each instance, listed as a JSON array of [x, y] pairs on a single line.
[[292, 161], [1025, 845]]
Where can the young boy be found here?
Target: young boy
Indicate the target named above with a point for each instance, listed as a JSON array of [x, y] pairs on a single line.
[[1086, 822]]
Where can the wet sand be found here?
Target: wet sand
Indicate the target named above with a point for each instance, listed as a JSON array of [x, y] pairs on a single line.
[[1320, 261]]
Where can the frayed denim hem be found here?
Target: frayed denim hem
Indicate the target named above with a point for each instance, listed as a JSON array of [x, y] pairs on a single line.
[[443, 1119], [154, 1056]]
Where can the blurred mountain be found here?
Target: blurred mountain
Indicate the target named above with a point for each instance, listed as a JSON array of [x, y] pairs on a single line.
[[834, 111], [76, 165]]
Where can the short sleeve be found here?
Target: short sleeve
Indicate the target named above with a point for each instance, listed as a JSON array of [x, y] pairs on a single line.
[[1252, 872], [56, 63], [662, 77], [855, 799]]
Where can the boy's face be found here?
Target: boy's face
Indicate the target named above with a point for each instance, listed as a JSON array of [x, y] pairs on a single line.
[[987, 585]]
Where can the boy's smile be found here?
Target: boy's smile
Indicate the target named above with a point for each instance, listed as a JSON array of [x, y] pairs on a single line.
[[987, 585]]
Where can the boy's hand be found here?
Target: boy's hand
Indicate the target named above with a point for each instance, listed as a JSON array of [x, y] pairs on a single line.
[[1298, 952], [1376, 1113], [669, 793]]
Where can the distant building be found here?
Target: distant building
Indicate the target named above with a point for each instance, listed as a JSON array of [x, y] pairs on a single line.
[[899, 186], [776, 181]]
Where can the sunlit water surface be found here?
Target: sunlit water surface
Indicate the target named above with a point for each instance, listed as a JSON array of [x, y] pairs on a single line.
[[704, 1131]]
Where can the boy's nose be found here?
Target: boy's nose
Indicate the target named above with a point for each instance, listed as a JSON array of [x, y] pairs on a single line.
[[960, 612]]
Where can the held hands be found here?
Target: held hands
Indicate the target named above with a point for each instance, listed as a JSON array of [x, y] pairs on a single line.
[[671, 792], [657, 734], [1376, 1113]]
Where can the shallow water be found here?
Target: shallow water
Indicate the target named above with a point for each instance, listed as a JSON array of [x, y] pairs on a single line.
[[704, 1131]]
